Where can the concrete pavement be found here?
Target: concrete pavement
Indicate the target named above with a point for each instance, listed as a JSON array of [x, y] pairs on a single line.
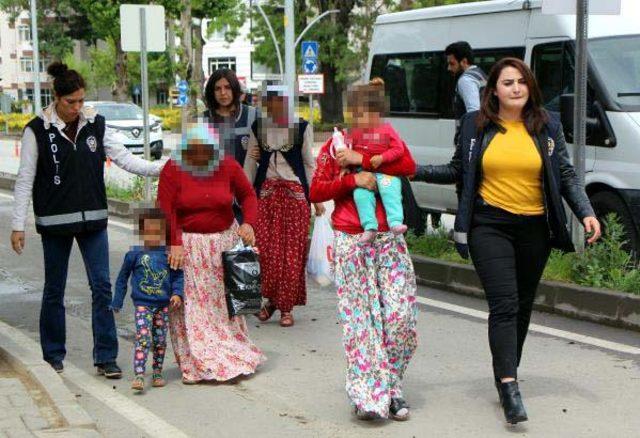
[[570, 388]]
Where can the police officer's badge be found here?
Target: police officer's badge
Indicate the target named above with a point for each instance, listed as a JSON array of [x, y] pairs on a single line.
[[92, 143], [244, 141], [551, 145]]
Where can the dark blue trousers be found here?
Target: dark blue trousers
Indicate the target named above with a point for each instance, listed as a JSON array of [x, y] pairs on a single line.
[[94, 247]]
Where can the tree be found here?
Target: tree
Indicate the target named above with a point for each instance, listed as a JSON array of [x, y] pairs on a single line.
[[54, 33], [343, 37]]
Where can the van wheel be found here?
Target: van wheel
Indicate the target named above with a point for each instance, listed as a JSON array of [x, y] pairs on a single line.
[[606, 202]]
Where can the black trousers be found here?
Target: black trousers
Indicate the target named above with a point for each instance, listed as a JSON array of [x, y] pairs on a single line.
[[509, 253]]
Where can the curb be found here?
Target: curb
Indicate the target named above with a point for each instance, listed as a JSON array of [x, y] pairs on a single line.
[[603, 306], [24, 355]]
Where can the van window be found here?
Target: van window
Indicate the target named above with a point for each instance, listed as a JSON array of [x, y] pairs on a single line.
[[553, 66], [419, 85], [413, 81]]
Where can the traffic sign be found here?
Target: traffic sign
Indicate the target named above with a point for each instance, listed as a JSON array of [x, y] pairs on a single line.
[[130, 28], [310, 66], [137, 90], [183, 99], [183, 86], [311, 84], [309, 49]]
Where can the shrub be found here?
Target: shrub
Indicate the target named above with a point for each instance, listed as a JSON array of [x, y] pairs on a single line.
[[606, 263]]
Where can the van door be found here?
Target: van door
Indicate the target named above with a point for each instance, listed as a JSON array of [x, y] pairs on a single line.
[[552, 62]]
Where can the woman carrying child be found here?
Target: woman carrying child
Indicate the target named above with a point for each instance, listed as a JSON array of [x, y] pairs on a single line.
[[196, 192], [376, 281]]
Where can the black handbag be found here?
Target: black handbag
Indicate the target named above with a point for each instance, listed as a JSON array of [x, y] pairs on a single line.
[[241, 270]]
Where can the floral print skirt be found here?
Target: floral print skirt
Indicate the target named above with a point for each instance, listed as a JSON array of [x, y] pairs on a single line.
[[376, 304], [282, 235], [207, 344]]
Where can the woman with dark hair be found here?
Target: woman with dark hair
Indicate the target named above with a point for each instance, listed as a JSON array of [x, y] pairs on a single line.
[[515, 172], [62, 164], [231, 118]]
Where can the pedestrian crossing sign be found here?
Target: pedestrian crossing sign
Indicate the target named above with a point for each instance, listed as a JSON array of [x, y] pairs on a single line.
[[309, 50]]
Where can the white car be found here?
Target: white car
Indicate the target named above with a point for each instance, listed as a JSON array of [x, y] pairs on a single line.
[[126, 120]]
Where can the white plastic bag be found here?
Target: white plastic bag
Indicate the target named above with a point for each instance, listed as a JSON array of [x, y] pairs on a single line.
[[318, 265]]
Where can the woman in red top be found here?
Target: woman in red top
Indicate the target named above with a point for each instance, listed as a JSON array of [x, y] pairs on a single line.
[[376, 286], [196, 192]]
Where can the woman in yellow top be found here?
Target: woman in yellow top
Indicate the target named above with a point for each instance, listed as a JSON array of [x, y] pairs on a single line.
[[515, 171]]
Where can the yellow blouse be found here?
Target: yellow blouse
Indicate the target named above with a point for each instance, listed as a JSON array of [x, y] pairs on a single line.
[[512, 172]]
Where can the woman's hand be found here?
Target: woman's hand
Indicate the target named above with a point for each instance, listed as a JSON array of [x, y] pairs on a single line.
[[366, 180], [176, 254], [319, 207], [348, 157], [254, 152], [591, 225], [247, 235], [17, 241]]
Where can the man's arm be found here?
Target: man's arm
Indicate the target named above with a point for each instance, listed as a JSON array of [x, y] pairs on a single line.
[[469, 92]]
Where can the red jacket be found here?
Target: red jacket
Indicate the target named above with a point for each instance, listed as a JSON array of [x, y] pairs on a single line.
[[327, 184], [204, 204], [383, 140]]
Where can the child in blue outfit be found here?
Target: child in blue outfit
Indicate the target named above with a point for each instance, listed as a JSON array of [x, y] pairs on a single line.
[[154, 288]]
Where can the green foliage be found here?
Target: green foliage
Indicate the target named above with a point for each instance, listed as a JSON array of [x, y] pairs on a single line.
[[607, 264], [132, 192], [436, 245]]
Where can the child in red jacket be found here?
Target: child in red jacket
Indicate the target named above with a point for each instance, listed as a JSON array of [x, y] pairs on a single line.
[[368, 136]]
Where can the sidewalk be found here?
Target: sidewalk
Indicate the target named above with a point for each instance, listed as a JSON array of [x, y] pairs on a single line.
[[33, 399]]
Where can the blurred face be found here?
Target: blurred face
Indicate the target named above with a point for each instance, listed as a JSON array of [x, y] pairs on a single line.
[[362, 116], [198, 154], [453, 65], [68, 107], [153, 232], [277, 107], [223, 93], [511, 90]]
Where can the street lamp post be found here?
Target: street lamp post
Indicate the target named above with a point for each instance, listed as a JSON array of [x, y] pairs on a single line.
[[580, 109], [289, 56], [37, 106]]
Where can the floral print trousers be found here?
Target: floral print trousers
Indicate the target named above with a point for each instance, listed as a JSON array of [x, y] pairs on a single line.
[[151, 328], [376, 304]]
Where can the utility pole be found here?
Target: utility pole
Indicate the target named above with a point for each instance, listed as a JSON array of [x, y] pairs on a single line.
[[289, 56], [37, 105], [580, 109]]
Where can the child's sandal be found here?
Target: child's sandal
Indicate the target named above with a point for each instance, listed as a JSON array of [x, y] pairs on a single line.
[[138, 384], [158, 381]]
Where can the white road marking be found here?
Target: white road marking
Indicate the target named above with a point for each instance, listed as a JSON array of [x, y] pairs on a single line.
[[141, 417], [536, 328]]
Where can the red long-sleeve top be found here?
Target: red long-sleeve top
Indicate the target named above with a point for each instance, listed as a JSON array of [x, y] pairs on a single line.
[[382, 140], [327, 184], [195, 204]]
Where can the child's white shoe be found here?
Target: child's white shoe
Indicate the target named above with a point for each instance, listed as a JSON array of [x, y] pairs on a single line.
[[399, 229]]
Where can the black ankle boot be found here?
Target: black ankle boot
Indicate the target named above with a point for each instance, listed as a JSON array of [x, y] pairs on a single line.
[[499, 389], [512, 403]]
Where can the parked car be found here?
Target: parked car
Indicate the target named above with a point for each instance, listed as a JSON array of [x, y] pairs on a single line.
[[407, 51], [126, 120]]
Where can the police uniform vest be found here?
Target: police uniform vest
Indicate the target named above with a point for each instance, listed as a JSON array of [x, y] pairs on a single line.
[[69, 194], [236, 140]]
